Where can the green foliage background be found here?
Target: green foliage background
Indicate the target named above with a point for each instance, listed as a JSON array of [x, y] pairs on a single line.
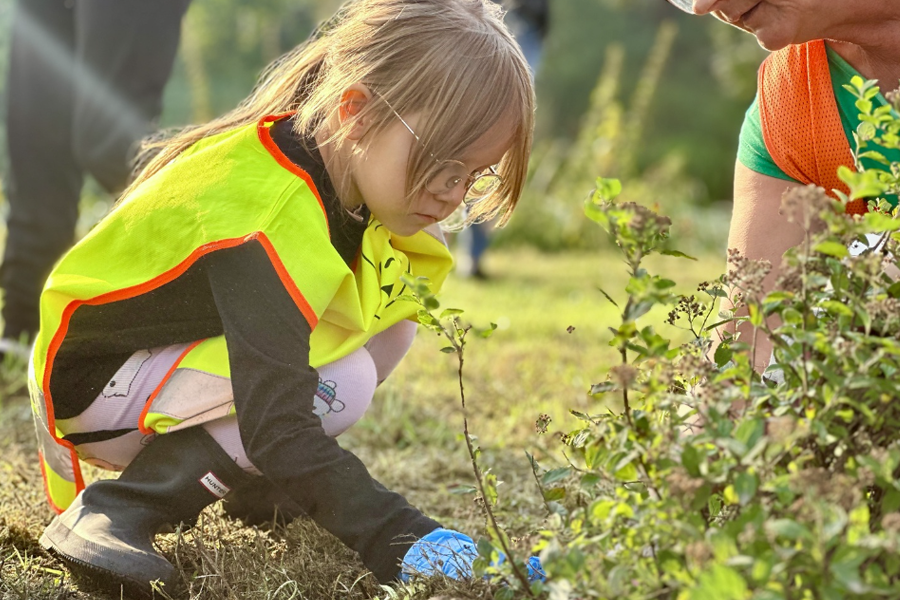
[[706, 84], [685, 117]]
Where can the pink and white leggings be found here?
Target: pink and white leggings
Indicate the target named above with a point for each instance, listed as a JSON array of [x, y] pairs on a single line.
[[345, 391]]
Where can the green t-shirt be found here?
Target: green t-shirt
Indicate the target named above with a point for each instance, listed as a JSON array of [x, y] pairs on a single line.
[[752, 151]]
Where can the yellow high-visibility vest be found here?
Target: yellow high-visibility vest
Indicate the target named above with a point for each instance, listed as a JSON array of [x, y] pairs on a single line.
[[226, 190]]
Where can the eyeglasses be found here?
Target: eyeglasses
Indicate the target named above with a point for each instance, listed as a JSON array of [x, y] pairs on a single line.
[[685, 5], [447, 174]]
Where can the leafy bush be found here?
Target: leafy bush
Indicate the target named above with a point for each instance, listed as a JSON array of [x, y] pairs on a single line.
[[717, 482]]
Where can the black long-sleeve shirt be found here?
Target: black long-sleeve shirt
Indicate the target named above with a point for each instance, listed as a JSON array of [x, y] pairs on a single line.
[[238, 293]]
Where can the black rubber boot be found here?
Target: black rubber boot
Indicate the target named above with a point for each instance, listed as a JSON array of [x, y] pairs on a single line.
[[262, 504], [108, 530]]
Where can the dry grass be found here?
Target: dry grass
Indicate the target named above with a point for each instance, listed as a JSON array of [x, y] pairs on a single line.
[[411, 441]]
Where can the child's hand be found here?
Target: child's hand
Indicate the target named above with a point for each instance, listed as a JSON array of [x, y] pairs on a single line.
[[451, 553]]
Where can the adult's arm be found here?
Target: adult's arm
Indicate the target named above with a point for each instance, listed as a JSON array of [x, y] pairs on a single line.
[[759, 232], [274, 386]]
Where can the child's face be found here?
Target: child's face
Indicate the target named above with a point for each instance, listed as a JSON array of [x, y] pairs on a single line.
[[379, 176]]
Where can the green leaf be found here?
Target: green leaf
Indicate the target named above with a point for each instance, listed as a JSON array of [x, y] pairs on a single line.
[[677, 254], [875, 156], [505, 593], [723, 355], [427, 319], [691, 460], [866, 131], [489, 482], [865, 184], [730, 495], [837, 308], [864, 106], [788, 529], [486, 332], [877, 222], [608, 297], [448, 350], [719, 583], [845, 568], [606, 189], [603, 388], [554, 475], [590, 480], [485, 548], [756, 316], [835, 249], [635, 311], [462, 489], [449, 312], [626, 472], [750, 431], [557, 493], [745, 484], [601, 509]]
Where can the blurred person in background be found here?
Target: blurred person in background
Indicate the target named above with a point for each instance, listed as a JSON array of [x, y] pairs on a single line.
[[799, 129], [85, 84], [528, 20]]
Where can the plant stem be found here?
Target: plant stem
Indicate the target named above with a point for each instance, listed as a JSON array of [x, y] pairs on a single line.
[[540, 486], [458, 343], [624, 352]]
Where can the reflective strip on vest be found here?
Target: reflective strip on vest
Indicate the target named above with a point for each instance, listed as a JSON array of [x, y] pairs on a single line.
[[59, 464]]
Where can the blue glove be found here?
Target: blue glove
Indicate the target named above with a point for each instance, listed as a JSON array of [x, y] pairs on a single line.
[[535, 569], [451, 553]]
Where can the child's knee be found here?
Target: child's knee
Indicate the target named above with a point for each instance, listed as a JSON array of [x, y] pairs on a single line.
[[345, 391]]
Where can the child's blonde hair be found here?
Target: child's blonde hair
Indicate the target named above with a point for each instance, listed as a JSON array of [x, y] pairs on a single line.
[[451, 61]]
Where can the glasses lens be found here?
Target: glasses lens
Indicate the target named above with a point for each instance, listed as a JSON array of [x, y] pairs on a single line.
[[685, 5], [457, 219], [447, 175], [482, 187]]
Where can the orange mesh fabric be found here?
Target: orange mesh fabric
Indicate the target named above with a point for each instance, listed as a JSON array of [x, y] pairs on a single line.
[[799, 117]]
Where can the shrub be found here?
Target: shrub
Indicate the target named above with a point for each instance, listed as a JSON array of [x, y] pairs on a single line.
[[715, 481]]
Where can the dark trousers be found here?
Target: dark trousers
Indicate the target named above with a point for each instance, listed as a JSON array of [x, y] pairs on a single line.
[[86, 80]]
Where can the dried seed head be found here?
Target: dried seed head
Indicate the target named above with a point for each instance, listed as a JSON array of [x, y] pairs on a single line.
[[804, 206], [624, 375]]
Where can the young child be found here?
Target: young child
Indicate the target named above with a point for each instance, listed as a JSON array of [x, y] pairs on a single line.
[[238, 307]]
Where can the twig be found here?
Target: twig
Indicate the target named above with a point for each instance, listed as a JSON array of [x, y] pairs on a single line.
[[538, 482], [458, 343]]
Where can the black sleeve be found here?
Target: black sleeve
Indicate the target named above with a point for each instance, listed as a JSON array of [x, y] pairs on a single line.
[[268, 348]]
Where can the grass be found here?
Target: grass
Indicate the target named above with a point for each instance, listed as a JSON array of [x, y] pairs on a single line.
[[410, 439]]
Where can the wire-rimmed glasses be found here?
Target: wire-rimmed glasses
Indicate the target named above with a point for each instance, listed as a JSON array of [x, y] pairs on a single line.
[[447, 174]]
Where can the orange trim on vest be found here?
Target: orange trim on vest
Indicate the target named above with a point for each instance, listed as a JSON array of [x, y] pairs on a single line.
[[800, 122], [143, 428], [149, 286], [265, 137]]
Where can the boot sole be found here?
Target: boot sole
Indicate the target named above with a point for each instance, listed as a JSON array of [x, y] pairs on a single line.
[[83, 556]]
